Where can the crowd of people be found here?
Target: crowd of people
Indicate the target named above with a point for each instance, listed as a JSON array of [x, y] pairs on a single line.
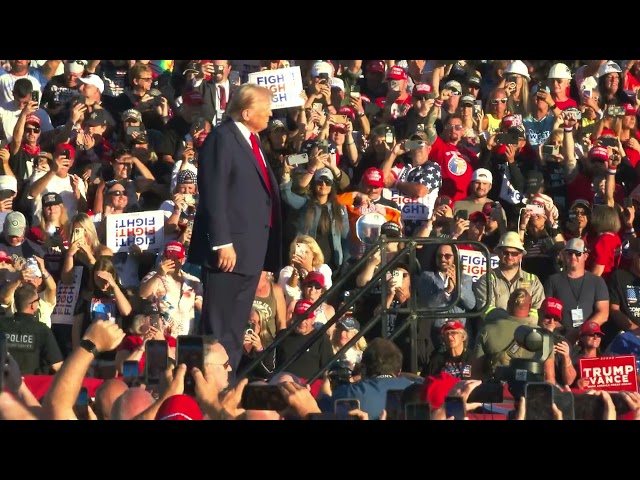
[[101, 184]]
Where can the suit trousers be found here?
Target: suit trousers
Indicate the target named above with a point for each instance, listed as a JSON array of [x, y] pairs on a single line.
[[228, 298]]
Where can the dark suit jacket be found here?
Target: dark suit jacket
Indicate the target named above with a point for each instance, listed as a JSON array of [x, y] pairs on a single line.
[[209, 92], [234, 205]]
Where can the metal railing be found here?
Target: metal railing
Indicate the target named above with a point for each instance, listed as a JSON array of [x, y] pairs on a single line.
[[414, 311]]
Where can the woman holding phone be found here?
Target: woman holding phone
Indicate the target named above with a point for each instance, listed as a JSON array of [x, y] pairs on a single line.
[[84, 249]]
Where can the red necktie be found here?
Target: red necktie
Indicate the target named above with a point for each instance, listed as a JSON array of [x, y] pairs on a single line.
[[255, 146], [223, 97]]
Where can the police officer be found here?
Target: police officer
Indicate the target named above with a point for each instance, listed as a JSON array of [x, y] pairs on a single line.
[[30, 342]]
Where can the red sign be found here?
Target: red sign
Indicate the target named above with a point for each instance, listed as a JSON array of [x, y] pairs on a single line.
[[610, 373]]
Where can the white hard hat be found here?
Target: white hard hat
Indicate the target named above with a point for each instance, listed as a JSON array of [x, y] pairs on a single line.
[[560, 71], [518, 67], [512, 240], [609, 67]]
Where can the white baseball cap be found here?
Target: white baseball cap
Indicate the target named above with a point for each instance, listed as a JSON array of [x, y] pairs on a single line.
[[7, 182], [94, 80], [482, 175]]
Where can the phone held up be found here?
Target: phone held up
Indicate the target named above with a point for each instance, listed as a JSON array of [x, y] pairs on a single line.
[[539, 401], [263, 397], [454, 407], [343, 406], [190, 351], [156, 361]]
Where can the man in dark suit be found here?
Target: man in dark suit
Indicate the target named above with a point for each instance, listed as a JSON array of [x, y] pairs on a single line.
[[237, 228], [216, 89]]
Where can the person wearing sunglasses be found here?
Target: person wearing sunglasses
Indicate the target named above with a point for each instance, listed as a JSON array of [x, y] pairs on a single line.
[[589, 346], [509, 276], [550, 318], [450, 105], [496, 110], [437, 288], [58, 92], [584, 295], [312, 287], [24, 147]]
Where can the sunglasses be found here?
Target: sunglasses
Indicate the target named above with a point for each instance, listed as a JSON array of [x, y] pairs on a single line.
[[509, 253], [552, 319], [445, 255], [591, 335], [325, 181], [456, 127], [314, 285], [582, 213], [32, 130], [455, 92], [495, 101], [573, 252], [118, 193]]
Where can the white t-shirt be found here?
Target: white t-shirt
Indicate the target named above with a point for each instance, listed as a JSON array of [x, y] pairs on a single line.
[[8, 80], [61, 186], [9, 114]]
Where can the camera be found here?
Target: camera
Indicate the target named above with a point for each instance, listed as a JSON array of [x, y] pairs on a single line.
[[521, 371]]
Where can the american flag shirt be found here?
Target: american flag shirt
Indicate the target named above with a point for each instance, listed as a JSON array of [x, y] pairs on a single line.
[[416, 211]]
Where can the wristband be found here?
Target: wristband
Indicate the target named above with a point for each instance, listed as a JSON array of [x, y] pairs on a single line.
[[552, 107], [438, 103], [568, 129], [611, 171], [630, 231]]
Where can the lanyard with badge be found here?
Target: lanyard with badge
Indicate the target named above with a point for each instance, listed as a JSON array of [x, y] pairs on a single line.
[[577, 317]]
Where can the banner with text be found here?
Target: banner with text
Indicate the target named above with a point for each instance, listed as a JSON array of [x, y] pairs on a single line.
[[66, 298], [285, 85], [610, 373], [474, 263], [144, 229]]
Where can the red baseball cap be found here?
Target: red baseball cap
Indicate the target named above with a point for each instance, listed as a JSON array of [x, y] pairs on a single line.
[[179, 407], [422, 89], [452, 325], [315, 277], [302, 306], [629, 109], [348, 111], [599, 153], [478, 217], [32, 118], [436, 389], [373, 177], [396, 73], [376, 66], [590, 327], [552, 307], [174, 250]]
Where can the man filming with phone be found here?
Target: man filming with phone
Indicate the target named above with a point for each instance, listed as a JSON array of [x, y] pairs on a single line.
[[23, 95]]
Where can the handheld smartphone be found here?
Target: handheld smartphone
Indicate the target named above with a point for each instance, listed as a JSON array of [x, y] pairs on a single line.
[[6, 194], [417, 411], [462, 215], [65, 152], [130, 372], [507, 138], [393, 405], [78, 234], [535, 209], [218, 69], [608, 141], [35, 96], [355, 91], [586, 93], [628, 202], [190, 199], [413, 145], [249, 330], [615, 111], [299, 159], [343, 406], [3, 359], [190, 351], [324, 77], [564, 402], [234, 77], [156, 361], [454, 407], [323, 147], [338, 119], [591, 407], [443, 200], [301, 249], [81, 407], [131, 130], [550, 149], [539, 401], [487, 392], [263, 397], [81, 99], [388, 137], [317, 106], [477, 106]]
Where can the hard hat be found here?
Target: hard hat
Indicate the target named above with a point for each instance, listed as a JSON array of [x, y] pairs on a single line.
[[518, 67], [609, 67], [511, 240], [560, 71]]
